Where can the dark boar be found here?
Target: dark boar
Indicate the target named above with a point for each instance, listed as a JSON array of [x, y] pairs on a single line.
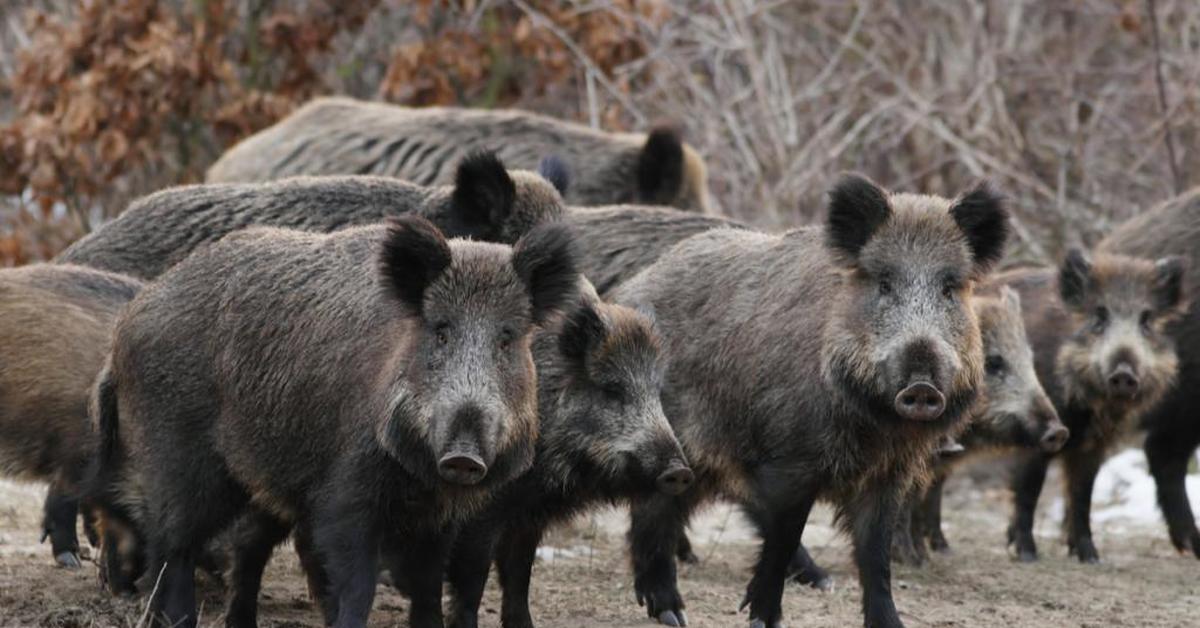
[[344, 136], [486, 202], [1015, 412], [603, 438], [1104, 358], [366, 385], [815, 365], [1172, 431], [55, 325], [616, 242]]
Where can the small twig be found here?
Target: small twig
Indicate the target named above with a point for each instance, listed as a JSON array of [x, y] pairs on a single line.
[[1169, 137], [150, 599], [716, 540]]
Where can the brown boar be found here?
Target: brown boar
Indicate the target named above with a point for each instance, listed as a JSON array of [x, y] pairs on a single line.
[[56, 325], [1172, 431], [1097, 327]]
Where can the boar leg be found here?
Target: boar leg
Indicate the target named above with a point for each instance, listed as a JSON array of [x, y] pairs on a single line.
[[173, 601], [514, 562], [872, 516], [419, 558], [931, 516], [255, 538], [346, 540], [1168, 459], [684, 552], [781, 527], [61, 511], [314, 573], [467, 571], [1081, 468], [1028, 478], [805, 570], [904, 549], [655, 523]]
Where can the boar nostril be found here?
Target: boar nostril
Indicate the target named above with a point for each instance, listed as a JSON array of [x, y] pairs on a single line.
[[675, 480], [920, 402], [1055, 439], [1123, 382], [461, 468]]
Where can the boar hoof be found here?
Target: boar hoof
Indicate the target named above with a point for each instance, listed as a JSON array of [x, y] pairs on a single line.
[[687, 556], [758, 623], [938, 544], [672, 618], [1085, 550], [68, 560]]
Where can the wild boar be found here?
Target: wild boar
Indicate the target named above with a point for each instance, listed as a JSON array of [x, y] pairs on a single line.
[[55, 325], [1098, 331], [1015, 412], [815, 364], [603, 439], [340, 136], [486, 202], [370, 384], [1172, 431]]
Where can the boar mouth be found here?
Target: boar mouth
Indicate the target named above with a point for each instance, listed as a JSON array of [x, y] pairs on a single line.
[[920, 401], [462, 465]]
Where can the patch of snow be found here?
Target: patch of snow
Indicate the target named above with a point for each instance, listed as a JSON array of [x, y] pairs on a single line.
[[548, 553], [1124, 494]]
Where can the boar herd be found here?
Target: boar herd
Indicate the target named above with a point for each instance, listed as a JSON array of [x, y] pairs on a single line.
[[414, 340]]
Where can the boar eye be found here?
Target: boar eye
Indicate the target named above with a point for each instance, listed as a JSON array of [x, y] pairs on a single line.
[[1144, 321], [442, 333], [994, 365], [948, 289], [506, 338], [1100, 319], [613, 392], [885, 287]]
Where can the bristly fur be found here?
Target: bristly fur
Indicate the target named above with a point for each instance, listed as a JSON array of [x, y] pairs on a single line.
[[546, 261], [983, 217], [483, 188], [413, 255], [660, 166], [1073, 277], [553, 169], [857, 208]]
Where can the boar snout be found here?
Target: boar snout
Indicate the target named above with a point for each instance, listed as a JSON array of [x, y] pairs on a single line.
[[1123, 381], [462, 466], [920, 401], [1055, 437], [675, 480]]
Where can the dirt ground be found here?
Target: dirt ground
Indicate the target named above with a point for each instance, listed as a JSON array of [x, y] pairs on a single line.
[[583, 579]]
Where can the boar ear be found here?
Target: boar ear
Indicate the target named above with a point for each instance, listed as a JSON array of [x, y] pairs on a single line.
[[1168, 282], [1073, 277], [484, 193], [983, 218], [1011, 299], [414, 254], [581, 330], [555, 170], [545, 261], [857, 209], [660, 167]]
